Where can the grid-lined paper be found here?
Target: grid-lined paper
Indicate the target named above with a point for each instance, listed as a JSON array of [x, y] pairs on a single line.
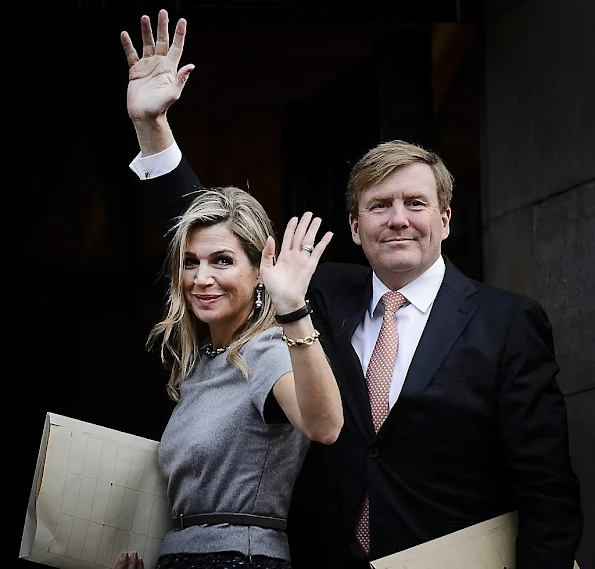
[[101, 493]]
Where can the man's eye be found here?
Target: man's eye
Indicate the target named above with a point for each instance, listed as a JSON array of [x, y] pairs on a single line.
[[416, 203], [378, 205]]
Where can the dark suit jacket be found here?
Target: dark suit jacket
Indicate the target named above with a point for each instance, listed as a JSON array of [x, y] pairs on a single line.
[[479, 428]]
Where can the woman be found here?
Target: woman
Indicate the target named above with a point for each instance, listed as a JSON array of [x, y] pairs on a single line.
[[250, 394]]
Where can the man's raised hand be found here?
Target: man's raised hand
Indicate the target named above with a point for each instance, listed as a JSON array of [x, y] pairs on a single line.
[[154, 79]]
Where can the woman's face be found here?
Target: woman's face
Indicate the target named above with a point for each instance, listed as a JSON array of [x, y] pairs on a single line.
[[218, 281]]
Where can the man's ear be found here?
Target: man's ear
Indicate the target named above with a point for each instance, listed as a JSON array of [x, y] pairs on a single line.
[[445, 217], [353, 222]]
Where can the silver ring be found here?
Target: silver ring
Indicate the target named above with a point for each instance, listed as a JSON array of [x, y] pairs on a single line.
[[308, 248]]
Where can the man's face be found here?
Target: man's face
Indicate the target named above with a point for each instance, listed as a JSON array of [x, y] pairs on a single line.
[[400, 226]]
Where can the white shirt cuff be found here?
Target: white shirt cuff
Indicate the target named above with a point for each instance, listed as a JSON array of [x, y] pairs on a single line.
[[157, 164]]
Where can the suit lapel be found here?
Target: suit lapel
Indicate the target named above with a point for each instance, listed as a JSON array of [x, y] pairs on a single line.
[[454, 306], [349, 309]]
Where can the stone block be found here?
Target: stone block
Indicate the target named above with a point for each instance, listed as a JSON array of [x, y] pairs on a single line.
[[539, 117], [508, 252], [564, 260]]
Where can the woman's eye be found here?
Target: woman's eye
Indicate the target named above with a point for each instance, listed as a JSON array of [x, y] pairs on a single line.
[[190, 263], [224, 261]]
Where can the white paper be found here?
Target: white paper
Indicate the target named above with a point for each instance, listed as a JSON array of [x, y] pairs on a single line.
[[96, 492], [487, 545]]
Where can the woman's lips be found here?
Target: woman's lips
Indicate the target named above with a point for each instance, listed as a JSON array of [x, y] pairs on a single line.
[[207, 299]]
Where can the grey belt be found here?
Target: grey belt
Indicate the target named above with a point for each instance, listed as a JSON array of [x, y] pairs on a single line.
[[183, 521]]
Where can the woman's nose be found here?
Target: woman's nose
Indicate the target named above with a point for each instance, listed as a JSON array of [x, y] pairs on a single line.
[[203, 276]]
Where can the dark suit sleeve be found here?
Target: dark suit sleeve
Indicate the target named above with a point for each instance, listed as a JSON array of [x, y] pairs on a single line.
[[172, 193], [534, 434]]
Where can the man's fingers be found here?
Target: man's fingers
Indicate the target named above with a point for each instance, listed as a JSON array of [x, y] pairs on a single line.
[[184, 73], [162, 44], [147, 33], [177, 46], [131, 55]]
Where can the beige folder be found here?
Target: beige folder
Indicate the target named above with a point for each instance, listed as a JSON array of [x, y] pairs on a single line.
[[96, 492], [487, 545]]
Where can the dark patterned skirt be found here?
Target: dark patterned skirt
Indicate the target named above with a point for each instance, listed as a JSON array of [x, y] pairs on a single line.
[[220, 560]]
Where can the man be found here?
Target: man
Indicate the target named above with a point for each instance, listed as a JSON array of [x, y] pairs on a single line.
[[452, 410]]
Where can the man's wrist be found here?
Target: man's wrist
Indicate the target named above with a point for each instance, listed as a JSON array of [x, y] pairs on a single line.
[[155, 165], [154, 135]]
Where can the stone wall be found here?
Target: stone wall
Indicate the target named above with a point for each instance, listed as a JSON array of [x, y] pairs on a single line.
[[538, 192]]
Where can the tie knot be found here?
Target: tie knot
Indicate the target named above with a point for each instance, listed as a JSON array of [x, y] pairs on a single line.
[[392, 300]]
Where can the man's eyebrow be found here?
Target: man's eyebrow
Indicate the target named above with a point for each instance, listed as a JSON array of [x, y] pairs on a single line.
[[406, 194], [416, 194], [377, 198]]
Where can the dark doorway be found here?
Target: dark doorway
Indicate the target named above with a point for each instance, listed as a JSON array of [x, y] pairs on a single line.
[[284, 98]]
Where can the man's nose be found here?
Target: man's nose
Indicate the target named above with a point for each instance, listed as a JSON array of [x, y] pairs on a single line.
[[398, 216]]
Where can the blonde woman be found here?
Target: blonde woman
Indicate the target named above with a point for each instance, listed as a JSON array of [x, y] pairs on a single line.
[[250, 394], [252, 384]]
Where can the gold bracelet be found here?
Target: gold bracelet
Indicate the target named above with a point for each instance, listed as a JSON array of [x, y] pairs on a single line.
[[301, 341]]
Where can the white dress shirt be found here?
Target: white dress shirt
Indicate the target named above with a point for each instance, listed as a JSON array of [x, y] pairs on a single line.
[[411, 321], [411, 318], [157, 164]]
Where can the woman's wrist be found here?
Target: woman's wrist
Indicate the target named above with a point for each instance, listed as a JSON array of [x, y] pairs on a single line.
[[287, 305], [293, 313]]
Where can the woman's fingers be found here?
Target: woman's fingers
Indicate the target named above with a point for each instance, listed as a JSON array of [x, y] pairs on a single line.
[[300, 230], [321, 246], [303, 233], [310, 237], [287, 243], [268, 253]]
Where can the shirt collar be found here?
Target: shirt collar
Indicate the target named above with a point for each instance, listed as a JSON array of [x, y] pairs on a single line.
[[420, 292]]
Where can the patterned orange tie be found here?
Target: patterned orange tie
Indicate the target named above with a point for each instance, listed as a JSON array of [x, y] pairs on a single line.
[[379, 376]]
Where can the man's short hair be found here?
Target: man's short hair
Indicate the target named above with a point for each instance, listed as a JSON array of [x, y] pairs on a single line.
[[384, 159]]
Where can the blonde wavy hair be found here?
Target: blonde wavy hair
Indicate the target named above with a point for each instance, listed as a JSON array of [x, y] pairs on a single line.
[[181, 334]]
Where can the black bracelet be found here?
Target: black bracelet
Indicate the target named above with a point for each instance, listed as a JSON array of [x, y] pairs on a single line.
[[295, 315]]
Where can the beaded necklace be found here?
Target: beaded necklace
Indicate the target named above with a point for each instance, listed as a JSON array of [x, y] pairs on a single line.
[[214, 352]]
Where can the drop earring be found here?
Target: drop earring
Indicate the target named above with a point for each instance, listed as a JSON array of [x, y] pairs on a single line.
[[258, 301]]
